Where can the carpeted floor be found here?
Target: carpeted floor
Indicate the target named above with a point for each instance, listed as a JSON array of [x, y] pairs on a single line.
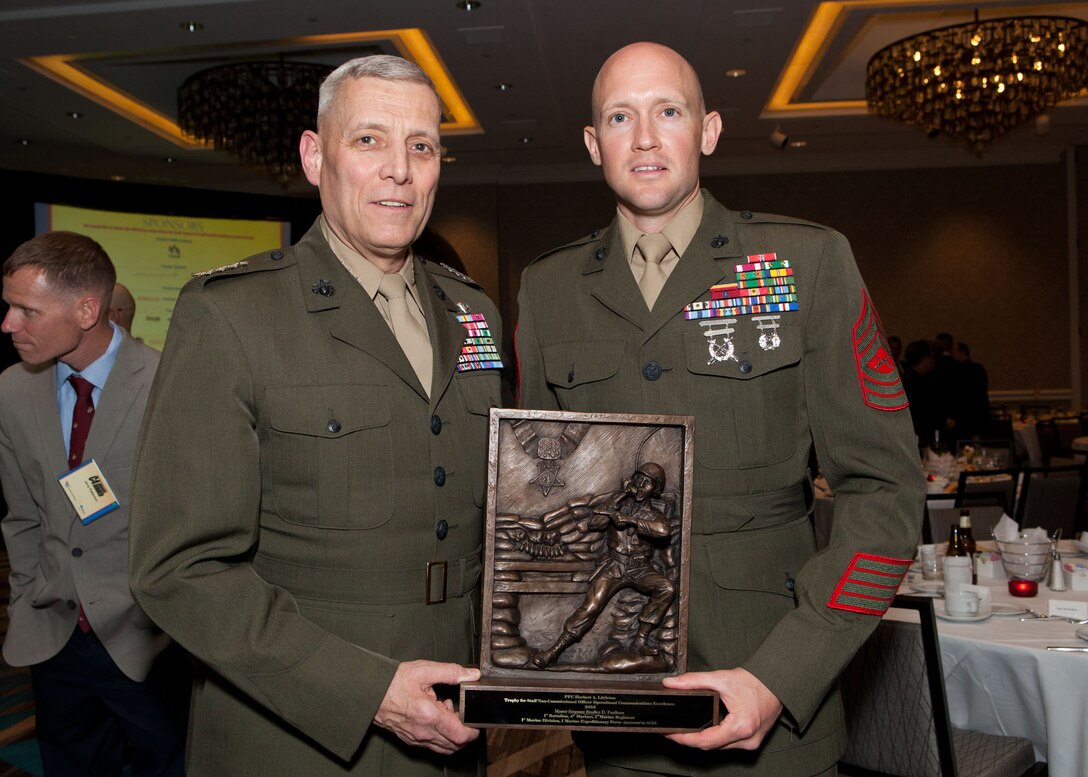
[[18, 748]]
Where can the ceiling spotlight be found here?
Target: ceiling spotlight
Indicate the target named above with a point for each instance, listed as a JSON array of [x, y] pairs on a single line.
[[24, 141], [117, 177], [169, 159], [736, 72], [469, 5], [525, 140], [798, 143], [192, 26], [448, 159], [778, 138], [74, 115], [504, 86]]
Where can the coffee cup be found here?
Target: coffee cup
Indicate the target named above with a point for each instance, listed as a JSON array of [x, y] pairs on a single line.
[[964, 603]]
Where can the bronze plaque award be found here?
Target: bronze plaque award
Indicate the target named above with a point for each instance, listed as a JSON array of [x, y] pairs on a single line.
[[586, 575]]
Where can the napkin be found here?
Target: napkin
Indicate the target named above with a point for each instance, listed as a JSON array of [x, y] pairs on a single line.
[[940, 464], [1006, 530]]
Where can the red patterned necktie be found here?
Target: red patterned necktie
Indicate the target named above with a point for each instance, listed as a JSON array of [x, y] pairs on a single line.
[[82, 415]]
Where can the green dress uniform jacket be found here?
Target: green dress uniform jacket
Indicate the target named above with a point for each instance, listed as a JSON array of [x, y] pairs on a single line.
[[761, 598], [296, 493]]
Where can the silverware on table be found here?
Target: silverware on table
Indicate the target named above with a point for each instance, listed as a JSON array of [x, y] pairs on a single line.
[[1060, 649], [1040, 616]]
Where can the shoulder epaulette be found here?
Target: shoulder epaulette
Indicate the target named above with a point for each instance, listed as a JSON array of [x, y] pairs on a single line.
[[748, 217], [224, 268], [592, 237], [270, 260], [444, 270]]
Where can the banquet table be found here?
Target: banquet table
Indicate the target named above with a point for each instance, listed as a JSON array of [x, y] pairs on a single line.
[[1001, 679]]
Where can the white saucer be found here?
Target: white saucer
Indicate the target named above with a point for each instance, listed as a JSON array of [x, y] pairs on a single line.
[[932, 588], [1006, 608], [943, 614], [1082, 632]]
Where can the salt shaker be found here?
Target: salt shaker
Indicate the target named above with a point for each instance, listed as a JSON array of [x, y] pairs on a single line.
[[1057, 577], [957, 573]]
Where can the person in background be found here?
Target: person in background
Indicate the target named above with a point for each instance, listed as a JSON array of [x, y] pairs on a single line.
[[104, 677], [122, 307], [653, 315], [308, 515], [895, 347], [972, 395]]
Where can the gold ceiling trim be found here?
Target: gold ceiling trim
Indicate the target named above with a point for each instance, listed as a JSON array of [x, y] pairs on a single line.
[[412, 43], [824, 26]]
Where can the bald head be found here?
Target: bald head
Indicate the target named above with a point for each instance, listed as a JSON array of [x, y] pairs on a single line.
[[640, 59], [650, 128], [122, 307]]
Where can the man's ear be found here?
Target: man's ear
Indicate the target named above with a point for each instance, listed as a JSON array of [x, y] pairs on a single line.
[[88, 309], [309, 149], [589, 135], [712, 129]]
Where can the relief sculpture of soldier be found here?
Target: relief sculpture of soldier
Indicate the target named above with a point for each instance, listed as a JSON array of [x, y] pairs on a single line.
[[637, 532]]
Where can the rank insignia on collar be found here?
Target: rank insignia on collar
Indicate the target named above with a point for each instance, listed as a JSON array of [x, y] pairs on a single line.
[[712, 330], [868, 584], [479, 351], [764, 284], [881, 386]]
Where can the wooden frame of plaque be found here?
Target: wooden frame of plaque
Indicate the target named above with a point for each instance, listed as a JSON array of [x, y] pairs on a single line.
[[585, 591]]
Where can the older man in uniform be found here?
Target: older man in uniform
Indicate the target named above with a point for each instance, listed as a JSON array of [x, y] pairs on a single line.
[[760, 327], [310, 482]]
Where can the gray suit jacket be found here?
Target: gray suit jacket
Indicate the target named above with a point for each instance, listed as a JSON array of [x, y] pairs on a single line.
[[42, 530]]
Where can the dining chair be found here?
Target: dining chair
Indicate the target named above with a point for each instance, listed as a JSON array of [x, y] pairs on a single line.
[[987, 487], [1056, 437], [1052, 497], [897, 711], [983, 520]]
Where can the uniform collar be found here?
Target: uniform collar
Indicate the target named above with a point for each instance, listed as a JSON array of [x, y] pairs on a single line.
[[368, 274], [680, 230]]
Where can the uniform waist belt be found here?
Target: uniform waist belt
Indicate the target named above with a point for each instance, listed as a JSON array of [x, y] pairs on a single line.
[[419, 585], [752, 511]]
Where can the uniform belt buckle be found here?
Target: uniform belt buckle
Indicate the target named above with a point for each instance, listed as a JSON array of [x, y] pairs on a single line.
[[431, 566]]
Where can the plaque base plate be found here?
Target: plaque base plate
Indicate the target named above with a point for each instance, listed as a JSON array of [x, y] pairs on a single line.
[[644, 706]]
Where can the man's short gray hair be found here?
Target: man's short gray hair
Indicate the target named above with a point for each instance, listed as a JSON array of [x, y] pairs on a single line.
[[382, 66]]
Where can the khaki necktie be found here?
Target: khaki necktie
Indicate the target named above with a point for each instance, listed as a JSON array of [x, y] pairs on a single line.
[[411, 336], [653, 248]]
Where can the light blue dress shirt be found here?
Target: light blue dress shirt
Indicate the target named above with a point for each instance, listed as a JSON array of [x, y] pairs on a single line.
[[96, 374]]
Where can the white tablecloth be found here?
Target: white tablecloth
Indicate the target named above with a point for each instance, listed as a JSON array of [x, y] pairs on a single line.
[[1001, 679]]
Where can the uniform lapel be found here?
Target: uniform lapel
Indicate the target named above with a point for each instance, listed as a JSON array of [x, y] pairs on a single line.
[[611, 281], [447, 335], [357, 321]]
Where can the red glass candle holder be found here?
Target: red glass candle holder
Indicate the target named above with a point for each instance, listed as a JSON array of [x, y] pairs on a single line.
[[1025, 588]]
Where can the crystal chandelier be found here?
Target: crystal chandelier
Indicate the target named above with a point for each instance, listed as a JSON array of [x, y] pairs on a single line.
[[977, 80], [255, 110]]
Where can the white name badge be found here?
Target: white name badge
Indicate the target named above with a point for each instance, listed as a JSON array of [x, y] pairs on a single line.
[[88, 491]]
